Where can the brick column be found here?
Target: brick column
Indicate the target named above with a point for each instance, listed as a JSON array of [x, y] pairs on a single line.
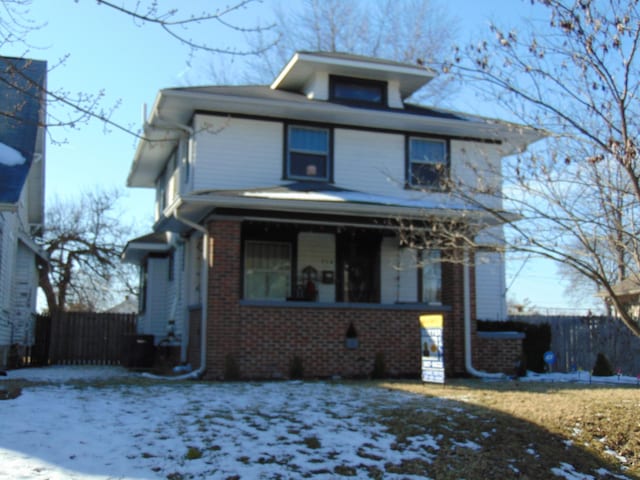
[[223, 328], [453, 295]]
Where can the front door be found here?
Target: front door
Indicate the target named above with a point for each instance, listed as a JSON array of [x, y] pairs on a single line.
[[358, 267]]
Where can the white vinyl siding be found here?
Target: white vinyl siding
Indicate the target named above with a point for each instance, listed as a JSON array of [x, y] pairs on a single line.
[[369, 161], [233, 153], [154, 319], [491, 302], [478, 167]]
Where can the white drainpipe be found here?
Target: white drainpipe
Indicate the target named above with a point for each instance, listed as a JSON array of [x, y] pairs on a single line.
[[204, 280], [468, 352]]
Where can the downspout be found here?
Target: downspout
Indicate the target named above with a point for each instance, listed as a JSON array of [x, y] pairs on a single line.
[[204, 281], [468, 359]]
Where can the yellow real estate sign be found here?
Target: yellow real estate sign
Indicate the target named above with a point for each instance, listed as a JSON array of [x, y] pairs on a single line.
[[432, 346]]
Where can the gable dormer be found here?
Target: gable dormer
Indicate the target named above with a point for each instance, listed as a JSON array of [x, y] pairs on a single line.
[[354, 79]]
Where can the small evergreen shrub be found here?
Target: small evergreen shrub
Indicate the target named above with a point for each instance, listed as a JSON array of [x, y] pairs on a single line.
[[296, 368], [602, 367], [231, 368], [379, 366]]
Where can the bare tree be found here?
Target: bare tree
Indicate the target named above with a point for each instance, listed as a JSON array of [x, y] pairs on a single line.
[[409, 31], [83, 239], [67, 109], [576, 77]]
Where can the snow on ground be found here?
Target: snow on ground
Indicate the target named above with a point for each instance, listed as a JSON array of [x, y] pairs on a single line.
[[178, 430]]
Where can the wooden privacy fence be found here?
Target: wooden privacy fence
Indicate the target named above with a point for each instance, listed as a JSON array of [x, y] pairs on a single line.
[[82, 338], [576, 341]]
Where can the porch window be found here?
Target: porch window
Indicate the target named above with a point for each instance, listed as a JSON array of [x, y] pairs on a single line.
[[308, 153], [431, 278], [427, 163], [267, 270]]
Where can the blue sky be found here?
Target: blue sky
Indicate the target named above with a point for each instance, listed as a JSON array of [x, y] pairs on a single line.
[[131, 62]]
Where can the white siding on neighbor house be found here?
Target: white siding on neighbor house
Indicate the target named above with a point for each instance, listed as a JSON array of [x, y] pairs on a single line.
[[234, 153], [398, 274], [318, 250], [154, 319], [8, 252], [24, 291]]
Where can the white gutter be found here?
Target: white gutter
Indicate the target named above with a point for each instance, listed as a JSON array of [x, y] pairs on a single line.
[[468, 359]]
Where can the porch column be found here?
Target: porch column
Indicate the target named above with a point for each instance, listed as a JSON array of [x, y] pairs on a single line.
[[223, 325]]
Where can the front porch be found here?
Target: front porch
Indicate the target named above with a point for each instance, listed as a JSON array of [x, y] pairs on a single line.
[[344, 329]]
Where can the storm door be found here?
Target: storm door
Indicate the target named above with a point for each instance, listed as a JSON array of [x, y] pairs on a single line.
[[358, 266]]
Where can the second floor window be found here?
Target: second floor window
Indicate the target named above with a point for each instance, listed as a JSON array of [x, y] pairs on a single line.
[[308, 155], [427, 163]]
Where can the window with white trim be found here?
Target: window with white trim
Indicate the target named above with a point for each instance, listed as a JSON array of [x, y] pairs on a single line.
[[267, 270], [308, 153], [427, 162]]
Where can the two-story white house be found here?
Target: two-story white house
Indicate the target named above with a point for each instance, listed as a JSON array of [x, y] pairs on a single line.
[[278, 210], [22, 104]]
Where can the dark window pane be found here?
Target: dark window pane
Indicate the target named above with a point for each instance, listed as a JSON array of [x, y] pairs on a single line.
[[426, 174], [359, 92], [308, 154], [308, 165], [427, 151], [308, 139]]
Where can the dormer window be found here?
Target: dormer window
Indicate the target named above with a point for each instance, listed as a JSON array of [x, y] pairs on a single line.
[[357, 90], [308, 153]]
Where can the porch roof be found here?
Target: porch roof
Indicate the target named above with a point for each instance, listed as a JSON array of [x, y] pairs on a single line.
[[317, 198], [136, 249]]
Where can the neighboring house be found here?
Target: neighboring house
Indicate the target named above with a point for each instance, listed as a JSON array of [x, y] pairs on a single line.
[[22, 114], [628, 293], [128, 305], [277, 209]]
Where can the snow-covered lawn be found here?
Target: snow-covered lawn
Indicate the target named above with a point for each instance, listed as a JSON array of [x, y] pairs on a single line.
[[179, 430]]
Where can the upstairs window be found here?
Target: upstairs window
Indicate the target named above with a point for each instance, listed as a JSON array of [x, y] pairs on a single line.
[[427, 163], [308, 155], [357, 90]]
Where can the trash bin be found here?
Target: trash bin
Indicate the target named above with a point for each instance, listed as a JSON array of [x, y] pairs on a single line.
[[138, 351]]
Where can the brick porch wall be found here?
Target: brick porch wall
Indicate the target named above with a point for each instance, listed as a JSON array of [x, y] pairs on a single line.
[[497, 353], [262, 340]]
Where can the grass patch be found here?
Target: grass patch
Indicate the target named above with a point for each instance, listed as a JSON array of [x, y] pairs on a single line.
[[526, 426], [312, 442], [193, 453]]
